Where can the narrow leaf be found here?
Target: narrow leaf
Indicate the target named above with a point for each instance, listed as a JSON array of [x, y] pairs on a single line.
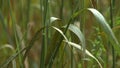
[[103, 23], [60, 32], [52, 19], [78, 33]]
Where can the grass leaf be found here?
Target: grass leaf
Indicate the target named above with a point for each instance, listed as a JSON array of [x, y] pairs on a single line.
[[52, 19], [79, 34], [103, 23]]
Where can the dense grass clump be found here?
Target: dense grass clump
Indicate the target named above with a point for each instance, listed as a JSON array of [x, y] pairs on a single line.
[[59, 34]]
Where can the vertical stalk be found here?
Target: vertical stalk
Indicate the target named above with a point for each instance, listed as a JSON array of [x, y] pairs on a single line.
[[15, 34], [111, 24], [28, 12], [5, 28], [72, 8], [82, 26], [27, 16], [26, 23], [44, 37], [61, 10]]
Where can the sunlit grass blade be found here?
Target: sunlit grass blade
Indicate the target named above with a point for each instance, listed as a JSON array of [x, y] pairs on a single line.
[[106, 28], [79, 34], [7, 46], [61, 32], [53, 19], [86, 51]]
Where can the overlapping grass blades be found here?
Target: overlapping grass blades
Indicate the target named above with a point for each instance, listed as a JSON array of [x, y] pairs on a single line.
[[26, 49], [58, 36], [74, 44], [56, 45], [103, 23]]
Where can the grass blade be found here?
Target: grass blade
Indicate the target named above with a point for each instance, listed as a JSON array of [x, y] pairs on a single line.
[[52, 19], [103, 23], [60, 32], [79, 34]]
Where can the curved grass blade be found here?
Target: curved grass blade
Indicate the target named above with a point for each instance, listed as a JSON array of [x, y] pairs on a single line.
[[79, 34], [103, 23], [60, 32], [86, 51], [7, 46], [52, 19]]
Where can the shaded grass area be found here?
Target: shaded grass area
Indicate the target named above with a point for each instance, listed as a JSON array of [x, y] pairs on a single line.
[[59, 34]]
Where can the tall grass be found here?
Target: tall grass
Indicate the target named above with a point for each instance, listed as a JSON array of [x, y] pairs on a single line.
[[111, 24], [59, 34]]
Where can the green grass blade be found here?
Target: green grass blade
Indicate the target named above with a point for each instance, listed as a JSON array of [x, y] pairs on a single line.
[[15, 33], [5, 28], [111, 25]]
